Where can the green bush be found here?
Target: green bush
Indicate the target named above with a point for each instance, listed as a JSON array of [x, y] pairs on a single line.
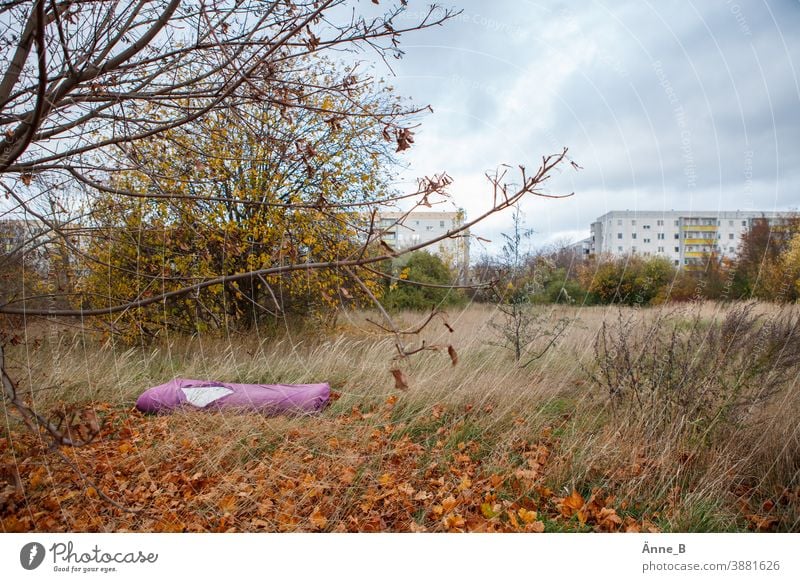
[[631, 280], [421, 267]]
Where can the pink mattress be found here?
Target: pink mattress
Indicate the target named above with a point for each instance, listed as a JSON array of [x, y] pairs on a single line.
[[209, 395]]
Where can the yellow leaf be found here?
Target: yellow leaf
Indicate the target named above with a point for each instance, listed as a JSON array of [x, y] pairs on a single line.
[[489, 511], [526, 515]]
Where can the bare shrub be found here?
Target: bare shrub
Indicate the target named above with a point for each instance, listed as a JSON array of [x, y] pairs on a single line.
[[702, 375]]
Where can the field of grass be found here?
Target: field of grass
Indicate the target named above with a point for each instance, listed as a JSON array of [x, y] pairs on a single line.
[[481, 446]]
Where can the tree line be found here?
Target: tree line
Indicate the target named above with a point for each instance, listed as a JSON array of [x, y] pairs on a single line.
[[766, 267]]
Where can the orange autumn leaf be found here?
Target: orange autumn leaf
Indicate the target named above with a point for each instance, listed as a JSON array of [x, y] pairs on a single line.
[[449, 503], [453, 522], [572, 504], [318, 519], [228, 503]]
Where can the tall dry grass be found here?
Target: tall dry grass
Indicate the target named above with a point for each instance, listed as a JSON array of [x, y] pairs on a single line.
[[750, 473]]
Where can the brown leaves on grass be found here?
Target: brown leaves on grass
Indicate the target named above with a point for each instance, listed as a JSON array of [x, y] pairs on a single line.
[[361, 470]]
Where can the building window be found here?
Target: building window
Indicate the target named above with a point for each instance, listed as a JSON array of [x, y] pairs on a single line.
[[660, 249], [744, 223], [441, 224], [676, 223], [660, 236], [730, 223], [428, 228], [730, 236], [633, 249], [619, 249], [677, 236], [633, 235], [646, 227], [677, 262], [619, 222], [647, 240], [633, 222], [730, 249], [677, 249], [659, 223], [619, 235]]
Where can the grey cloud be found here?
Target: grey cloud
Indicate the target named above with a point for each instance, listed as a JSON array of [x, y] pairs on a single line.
[[665, 104]]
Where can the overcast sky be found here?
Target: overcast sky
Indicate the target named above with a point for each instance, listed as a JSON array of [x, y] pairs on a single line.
[[666, 105]]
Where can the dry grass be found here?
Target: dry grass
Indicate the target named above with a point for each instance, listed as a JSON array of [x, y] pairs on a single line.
[[746, 480]]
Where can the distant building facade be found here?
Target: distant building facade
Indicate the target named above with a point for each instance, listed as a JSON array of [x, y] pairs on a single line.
[[15, 234], [684, 237], [401, 230]]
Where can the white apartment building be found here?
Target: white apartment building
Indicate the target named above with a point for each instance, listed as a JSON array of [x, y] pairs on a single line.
[[402, 230], [684, 237]]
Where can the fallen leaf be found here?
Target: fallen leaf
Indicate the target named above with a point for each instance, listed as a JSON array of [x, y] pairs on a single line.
[[489, 511], [347, 476], [535, 527], [318, 520], [572, 504], [453, 521], [526, 515], [449, 503]]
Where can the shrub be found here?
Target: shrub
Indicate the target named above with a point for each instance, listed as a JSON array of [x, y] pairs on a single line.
[[422, 267], [695, 375], [631, 280]]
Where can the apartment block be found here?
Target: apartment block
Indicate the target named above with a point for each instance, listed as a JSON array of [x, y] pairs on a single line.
[[684, 237], [402, 230]]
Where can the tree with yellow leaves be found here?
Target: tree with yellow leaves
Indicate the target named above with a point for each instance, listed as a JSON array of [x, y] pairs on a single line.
[[234, 193]]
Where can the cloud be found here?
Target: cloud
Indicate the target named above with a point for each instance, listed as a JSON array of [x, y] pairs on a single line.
[[666, 105]]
